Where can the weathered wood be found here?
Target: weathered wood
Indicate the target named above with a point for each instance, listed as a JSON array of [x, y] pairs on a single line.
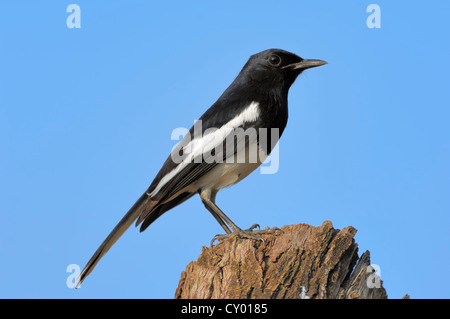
[[302, 261]]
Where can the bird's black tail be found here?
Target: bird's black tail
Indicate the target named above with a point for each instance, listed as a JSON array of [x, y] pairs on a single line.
[[150, 216], [143, 204]]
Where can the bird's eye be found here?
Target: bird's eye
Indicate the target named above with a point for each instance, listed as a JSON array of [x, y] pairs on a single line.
[[274, 60]]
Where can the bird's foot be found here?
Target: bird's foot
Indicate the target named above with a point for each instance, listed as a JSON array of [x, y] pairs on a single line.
[[249, 233]]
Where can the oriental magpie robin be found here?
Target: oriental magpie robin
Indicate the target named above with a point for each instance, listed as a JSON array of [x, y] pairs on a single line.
[[225, 145]]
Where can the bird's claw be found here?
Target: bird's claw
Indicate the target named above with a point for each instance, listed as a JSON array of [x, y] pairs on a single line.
[[253, 227], [248, 234]]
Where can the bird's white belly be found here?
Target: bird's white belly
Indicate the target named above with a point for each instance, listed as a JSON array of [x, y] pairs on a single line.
[[226, 174]]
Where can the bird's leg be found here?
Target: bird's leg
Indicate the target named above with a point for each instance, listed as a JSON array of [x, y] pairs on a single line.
[[220, 220], [208, 198]]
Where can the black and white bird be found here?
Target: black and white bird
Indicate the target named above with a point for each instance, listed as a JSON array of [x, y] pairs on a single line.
[[231, 139]]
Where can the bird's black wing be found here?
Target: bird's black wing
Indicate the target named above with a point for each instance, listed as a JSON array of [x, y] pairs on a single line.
[[219, 114], [176, 176]]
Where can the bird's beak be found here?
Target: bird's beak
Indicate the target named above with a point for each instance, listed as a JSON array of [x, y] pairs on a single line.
[[305, 64]]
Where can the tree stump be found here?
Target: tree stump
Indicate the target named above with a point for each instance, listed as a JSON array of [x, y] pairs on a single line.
[[301, 261]]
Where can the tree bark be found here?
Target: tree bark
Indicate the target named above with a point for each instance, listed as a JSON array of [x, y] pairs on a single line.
[[301, 261]]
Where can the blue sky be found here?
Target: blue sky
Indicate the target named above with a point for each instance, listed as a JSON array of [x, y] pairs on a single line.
[[86, 116]]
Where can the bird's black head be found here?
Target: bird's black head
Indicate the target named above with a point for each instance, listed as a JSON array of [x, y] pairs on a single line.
[[276, 68]]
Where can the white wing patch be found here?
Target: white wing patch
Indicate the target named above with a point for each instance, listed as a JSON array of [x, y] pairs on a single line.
[[209, 141], [249, 114]]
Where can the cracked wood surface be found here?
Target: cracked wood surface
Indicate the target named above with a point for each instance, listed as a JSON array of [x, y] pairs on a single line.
[[302, 261]]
